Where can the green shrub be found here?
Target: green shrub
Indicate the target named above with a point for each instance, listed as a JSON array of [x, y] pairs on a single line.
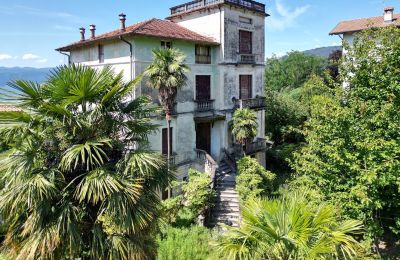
[[253, 179], [196, 197], [186, 243]]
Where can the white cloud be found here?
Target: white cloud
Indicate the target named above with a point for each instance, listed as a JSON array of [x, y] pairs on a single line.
[[285, 17], [42, 60], [5, 57], [30, 56]]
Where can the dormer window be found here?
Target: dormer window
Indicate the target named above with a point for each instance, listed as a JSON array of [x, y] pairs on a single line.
[[203, 54], [166, 44], [101, 53], [245, 42]]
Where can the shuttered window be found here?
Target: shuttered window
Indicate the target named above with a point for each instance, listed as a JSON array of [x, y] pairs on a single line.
[[245, 42], [101, 54], [203, 54], [203, 88], [165, 142], [245, 86]]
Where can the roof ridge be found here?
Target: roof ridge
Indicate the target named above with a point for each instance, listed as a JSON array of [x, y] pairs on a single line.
[[366, 18]]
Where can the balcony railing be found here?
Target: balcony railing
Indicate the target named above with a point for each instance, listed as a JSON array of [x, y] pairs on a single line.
[[198, 4], [247, 58], [252, 103], [260, 144], [204, 105]]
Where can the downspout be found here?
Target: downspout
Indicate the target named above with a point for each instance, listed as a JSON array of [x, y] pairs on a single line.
[[131, 61], [68, 55]]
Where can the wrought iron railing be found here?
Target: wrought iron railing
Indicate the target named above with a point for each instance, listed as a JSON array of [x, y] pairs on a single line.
[[210, 165], [197, 4], [252, 103], [204, 105], [247, 58]]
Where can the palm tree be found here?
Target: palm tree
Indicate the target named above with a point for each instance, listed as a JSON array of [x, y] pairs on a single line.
[[290, 228], [73, 188], [244, 126], [167, 75]]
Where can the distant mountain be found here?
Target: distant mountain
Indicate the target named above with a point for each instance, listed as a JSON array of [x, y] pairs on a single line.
[[323, 52], [26, 73]]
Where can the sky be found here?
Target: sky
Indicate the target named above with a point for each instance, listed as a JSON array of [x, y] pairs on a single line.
[[30, 30]]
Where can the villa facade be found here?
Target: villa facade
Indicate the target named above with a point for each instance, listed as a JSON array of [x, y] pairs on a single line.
[[224, 43]]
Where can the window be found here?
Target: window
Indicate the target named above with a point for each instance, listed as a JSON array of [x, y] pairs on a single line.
[[245, 20], [245, 42], [164, 148], [101, 53], [203, 88], [166, 45], [245, 84], [203, 54]]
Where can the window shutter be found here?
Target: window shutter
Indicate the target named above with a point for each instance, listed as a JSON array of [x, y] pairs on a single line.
[[245, 86], [203, 89], [245, 42]]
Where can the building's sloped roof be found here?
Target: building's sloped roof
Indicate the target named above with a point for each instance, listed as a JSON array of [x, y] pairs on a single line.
[[154, 27], [8, 108], [365, 23]]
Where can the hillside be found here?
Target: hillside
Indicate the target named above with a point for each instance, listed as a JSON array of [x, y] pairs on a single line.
[[323, 52], [26, 73]]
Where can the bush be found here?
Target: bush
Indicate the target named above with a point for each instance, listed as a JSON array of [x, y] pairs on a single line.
[[185, 243], [253, 179], [196, 197]]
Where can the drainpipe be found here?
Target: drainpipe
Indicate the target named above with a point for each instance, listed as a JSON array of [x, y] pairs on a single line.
[[131, 61], [68, 55]]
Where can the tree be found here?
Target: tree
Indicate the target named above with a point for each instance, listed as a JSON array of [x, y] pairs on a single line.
[[167, 74], [74, 187], [244, 125], [353, 148], [253, 180], [290, 228]]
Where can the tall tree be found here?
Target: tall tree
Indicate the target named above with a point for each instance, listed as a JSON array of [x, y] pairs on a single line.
[[167, 74], [244, 125], [73, 187]]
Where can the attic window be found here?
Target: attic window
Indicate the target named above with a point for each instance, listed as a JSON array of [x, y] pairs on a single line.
[[166, 45], [101, 54], [245, 20]]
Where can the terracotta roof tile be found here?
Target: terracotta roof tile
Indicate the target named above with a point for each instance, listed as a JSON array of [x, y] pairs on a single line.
[[154, 27], [365, 23], [8, 108]]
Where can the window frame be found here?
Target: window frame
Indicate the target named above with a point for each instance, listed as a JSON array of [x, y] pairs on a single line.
[[100, 48], [242, 48], [201, 58], [166, 44]]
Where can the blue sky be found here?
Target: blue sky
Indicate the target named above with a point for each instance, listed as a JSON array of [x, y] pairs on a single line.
[[31, 30]]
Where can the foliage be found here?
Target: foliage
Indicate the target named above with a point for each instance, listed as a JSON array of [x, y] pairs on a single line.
[[290, 228], [253, 180], [244, 125], [74, 187], [167, 74], [186, 243], [196, 197], [353, 146], [292, 71]]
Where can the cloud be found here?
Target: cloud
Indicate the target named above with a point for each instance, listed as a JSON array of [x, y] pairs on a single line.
[[42, 60], [5, 57], [285, 17], [30, 56]]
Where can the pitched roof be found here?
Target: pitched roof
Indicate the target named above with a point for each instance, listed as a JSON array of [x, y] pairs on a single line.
[[365, 23], [8, 108], [154, 27]]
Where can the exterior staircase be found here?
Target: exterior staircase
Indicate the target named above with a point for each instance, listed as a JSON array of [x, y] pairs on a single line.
[[226, 209]]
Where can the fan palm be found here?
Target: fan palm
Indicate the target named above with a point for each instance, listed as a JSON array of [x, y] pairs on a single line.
[[244, 125], [73, 187], [167, 75], [290, 228]]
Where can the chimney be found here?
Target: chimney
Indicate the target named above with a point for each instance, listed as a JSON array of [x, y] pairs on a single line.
[[82, 31], [388, 14], [92, 31], [122, 18]]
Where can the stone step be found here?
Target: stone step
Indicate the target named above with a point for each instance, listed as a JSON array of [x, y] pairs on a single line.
[[227, 203], [226, 209]]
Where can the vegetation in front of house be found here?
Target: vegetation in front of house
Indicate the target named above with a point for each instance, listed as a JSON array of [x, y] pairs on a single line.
[[196, 197], [244, 125], [253, 180], [290, 227], [186, 243], [72, 185]]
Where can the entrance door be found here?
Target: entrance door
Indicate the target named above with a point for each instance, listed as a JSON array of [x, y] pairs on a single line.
[[245, 86], [203, 137]]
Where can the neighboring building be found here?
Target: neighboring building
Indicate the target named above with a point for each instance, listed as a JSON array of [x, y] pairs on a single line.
[[224, 42], [347, 29]]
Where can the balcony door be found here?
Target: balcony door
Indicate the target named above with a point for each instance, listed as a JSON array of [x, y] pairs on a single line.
[[203, 137], [203, 87], [245, 42], [245, 85]]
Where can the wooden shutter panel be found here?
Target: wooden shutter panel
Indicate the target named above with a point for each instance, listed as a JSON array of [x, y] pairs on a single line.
[[245, 42], [245, 86], [164, 141], [203, 89]]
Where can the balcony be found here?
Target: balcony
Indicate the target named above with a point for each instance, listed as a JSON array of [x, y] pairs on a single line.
[[251, 103], [204, 105], [199, 4], [259, 145], [247, 59]]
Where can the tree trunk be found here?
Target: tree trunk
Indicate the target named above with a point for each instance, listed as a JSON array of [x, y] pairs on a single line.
[[168, 117]]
